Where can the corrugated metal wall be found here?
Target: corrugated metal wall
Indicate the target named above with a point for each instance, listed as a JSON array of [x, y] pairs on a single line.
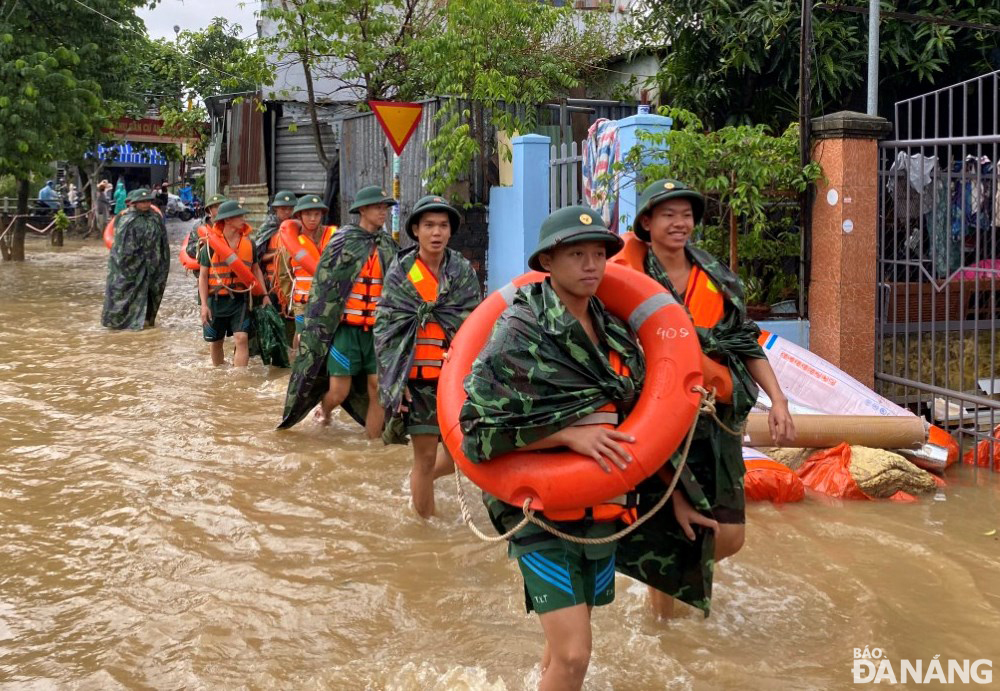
[[297, 164], [246, 144], [366, 159]]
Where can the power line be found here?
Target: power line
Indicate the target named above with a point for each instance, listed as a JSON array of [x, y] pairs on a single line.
[[168, 44], [918, 18]]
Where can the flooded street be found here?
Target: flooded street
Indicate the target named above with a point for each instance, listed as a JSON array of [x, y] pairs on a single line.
[[158, 533]]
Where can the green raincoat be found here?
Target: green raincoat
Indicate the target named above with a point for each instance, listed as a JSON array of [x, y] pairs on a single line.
[[137, 271], [402, 311], [731, 340], [340, 264], [265, 232]]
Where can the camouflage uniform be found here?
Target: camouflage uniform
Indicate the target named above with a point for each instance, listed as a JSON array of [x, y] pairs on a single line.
[[342, 260], [137, 271], [402, 311], [715, 458]]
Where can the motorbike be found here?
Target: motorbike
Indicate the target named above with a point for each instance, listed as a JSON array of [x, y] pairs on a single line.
[[177, 208]]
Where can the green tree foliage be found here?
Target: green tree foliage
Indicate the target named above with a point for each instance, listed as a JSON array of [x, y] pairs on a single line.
[[750, 179], [737, 61], [519, 52], [544, 51], [61, 76]]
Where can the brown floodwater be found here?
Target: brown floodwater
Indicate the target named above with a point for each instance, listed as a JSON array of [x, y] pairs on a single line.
[[155, 532]]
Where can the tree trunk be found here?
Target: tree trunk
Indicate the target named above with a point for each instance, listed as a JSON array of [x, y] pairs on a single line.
[[17, 240], [734, 235]]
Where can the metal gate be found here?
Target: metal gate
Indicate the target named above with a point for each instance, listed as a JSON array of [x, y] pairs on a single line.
[[938, 273]]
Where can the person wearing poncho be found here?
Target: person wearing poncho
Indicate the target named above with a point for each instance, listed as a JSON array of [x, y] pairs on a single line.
[[557, 356], [429, 291], [335, 360], [138, 265], [268, 243], [713, 296], [120, 196]]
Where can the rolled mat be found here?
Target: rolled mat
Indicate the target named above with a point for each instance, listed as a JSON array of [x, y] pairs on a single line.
[[825, 431]]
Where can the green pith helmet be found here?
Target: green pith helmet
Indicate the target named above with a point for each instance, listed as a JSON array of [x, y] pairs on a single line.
[[661, 191], [371, 195], [571, 225], [432, 203], [230, 209], [215, 200], [140, 195], [284, 198], [308, 203]]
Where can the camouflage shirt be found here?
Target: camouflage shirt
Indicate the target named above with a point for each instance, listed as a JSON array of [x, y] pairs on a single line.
[[339, 266], [539, 373]]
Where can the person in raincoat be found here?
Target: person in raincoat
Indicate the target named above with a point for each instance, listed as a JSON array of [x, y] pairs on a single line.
[[138, 265], [225, 299], [335, 361], [556, 365], [429, 291], [268, 243], [48, 197], [120, 195], [660, 247]]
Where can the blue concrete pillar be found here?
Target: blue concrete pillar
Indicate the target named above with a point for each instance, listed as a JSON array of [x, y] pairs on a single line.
[[629, 191], [516, 213]]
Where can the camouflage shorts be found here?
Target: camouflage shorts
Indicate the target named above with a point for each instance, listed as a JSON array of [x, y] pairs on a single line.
[[422, 417]]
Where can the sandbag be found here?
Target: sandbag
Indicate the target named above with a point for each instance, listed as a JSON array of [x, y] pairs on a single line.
[[768, 480], [791, 457], [856, 472], [986, 453]]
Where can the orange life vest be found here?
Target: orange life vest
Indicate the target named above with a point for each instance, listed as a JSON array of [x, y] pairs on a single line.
[[704, 302], [304, 277], [621, 508], [431, 338], [221, 274], [703, 299], [359, 310]]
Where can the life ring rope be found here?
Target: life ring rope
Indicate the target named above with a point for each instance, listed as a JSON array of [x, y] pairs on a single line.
[[705, 406]]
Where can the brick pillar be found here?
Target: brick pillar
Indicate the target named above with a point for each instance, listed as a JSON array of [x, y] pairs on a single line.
[[842, 289]]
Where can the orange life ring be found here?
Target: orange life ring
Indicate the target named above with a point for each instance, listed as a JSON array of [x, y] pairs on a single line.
[[559, 481], [236, 265], [109, 232], [109, 229], [717, 375], [187, 261], [302, 250]]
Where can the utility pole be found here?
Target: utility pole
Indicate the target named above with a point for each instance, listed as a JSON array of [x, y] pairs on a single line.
[[873, 39], [805, 108]]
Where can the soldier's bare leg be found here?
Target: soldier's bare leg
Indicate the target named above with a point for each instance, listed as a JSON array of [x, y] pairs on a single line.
[[443, 464], [242, 356], [422, 475], [567, 646], [375, 418], [340, 387], [218, 352]]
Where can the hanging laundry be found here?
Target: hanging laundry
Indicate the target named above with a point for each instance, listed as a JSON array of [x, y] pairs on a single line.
[[600, 152]]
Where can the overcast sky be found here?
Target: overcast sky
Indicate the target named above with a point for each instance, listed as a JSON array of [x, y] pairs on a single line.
[[196, 14]]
